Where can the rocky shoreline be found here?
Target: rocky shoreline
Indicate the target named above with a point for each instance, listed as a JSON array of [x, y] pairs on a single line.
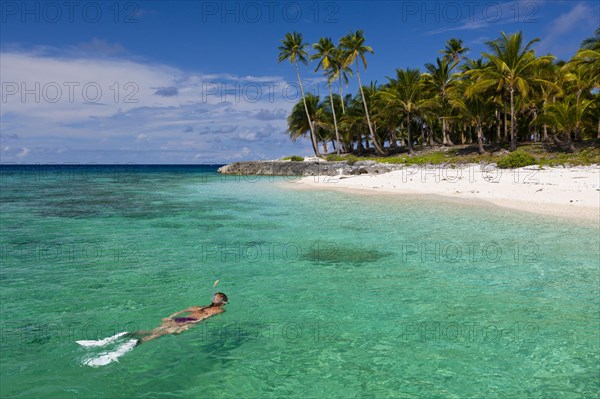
[[306, 168]]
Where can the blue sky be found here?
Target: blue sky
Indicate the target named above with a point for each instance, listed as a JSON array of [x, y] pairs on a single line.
[[199, 82]]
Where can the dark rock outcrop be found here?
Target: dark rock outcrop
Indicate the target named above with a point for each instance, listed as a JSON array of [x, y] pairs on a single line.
[[290, 168]]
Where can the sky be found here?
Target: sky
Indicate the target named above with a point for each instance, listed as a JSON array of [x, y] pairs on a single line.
[[180, 82]]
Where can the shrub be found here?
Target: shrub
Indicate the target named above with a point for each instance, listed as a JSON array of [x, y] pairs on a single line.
[[296, 158], [351, 159], [516, 159], [334, 158]]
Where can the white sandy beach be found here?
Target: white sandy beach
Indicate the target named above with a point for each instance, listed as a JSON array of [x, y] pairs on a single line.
[[572, 192]]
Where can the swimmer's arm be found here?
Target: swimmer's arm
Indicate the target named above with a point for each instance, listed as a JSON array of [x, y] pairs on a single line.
[[188, 310], [180, 312]]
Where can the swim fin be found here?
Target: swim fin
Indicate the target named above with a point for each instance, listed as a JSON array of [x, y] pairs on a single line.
[[108, 357], [102, 342]]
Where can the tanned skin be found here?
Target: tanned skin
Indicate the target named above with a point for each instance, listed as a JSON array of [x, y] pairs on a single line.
[[198, 313]]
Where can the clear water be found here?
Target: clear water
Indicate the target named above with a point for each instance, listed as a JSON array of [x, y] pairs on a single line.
[[332, 294]]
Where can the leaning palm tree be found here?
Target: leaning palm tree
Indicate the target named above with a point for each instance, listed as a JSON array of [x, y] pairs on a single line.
[[353, 45], [298, 124], [319, 118], [293, 48], [404, 94], [454, 50], [327, 59], [341, 73], [512, 69]]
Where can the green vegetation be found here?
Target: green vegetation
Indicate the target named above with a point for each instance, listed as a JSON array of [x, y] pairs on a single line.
[[516, 159], [335, 158], [294, 158], [351, 159], [507, 97], [528, 154]]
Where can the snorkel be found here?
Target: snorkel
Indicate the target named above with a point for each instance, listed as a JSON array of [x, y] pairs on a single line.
[[212, 297]]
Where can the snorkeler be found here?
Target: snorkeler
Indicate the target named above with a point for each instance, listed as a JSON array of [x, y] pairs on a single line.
[[177, 325], [170, 325]]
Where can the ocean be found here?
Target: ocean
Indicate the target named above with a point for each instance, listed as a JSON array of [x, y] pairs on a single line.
[[331, 294]]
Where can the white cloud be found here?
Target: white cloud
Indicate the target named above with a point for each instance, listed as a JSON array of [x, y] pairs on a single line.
[[53, 117], [579, 20], [483, 15], [566, 22], [23, 153]]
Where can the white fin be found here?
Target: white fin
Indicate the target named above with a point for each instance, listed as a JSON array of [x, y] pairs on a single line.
[[108, 357], [101, 342]]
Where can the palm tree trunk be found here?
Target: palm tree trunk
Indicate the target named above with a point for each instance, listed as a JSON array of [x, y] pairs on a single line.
[[444, 142], [341, 94], [313, 137], [498, 127], [445, 134], [393, 140], [535, 130], [570, 145], [513, 143], [545, 138], [337, 134], [505, 138], [598, 128], [324, 143], [377, 147], [480, 138], [555, 137], [410, 148], [430, 134]]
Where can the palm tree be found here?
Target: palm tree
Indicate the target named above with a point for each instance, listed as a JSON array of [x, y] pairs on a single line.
[[341, 73], [298, 124], [454, 50], [293, 48], [592, 43], [323, 123], [439, 81], [567, 115], [404, 93], [474, 108], [512, 69], [353, 45], [327, 59], [588, 60], [319, 117]]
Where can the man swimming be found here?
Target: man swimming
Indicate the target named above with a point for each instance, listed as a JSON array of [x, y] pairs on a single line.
[[177, 325], [170, 325]]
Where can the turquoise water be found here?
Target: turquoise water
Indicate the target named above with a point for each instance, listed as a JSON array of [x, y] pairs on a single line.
[[332, 294]]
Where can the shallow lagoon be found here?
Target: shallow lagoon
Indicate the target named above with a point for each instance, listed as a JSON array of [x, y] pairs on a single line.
[[332, 294]]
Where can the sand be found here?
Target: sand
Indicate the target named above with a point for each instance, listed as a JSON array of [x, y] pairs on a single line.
[[572, 192]]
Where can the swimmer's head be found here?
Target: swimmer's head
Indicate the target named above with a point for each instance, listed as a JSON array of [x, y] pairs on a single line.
[[219, 299]]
